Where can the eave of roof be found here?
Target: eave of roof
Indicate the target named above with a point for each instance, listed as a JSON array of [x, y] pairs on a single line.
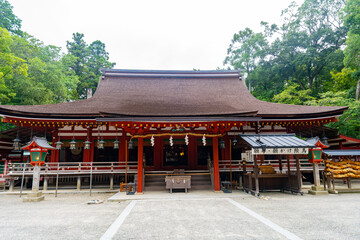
[[275, 141], [158, 93], [342, 152]]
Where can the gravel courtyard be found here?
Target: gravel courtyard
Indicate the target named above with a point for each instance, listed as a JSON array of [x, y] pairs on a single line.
[[195, 215]]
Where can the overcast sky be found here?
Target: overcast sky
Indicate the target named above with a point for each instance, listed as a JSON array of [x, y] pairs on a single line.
[[179, 35]]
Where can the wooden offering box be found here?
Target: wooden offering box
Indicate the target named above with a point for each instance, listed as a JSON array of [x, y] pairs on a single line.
[[178, 182]]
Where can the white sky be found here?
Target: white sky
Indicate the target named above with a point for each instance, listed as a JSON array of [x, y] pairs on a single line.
[[161, 34]]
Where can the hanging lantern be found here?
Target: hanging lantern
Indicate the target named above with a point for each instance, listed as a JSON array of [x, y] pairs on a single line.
[[131, 144], [101, 144], [72, 144], [58, 145], [16, 144], [222, 144], [324, 140], [116, 144], [87, 144], [234, 141]]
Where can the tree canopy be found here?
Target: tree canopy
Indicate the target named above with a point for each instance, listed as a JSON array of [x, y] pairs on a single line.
[[34, 73], [8, 20], [89, 59], [313, 54]]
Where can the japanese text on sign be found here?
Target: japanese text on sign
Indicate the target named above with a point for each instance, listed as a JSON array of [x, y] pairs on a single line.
[[279, 151]]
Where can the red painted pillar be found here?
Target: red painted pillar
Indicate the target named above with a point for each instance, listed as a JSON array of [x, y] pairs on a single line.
[[86, 155], [216, 164], [192, 152], [227, 141], [140, 165]]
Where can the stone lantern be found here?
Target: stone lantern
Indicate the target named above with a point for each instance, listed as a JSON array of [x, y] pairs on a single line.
[[315, 157], [38, 148]]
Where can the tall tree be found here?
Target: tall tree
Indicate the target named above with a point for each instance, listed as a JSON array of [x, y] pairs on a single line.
[[99, 58], [88, 60], [303, 50], [312, 37], [8, 19], [10, 64], [352, 50], [247, 48]]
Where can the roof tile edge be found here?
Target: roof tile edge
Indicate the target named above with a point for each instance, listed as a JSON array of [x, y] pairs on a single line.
[[171, 73]]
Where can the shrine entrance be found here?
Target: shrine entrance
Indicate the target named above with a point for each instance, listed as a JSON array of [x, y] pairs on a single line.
[[167, 156]]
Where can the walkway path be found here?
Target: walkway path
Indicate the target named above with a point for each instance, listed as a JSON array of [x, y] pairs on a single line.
[[195, 215]]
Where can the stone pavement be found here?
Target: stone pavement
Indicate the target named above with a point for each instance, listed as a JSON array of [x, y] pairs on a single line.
[[194, 215]]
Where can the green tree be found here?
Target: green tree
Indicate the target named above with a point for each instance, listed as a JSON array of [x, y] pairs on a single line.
[[313, 36], [352, 50], [247, 48], [8, 20], [10, 65], [344, 80], [293, 94], [303, 50], [349, 123], [88, 61]]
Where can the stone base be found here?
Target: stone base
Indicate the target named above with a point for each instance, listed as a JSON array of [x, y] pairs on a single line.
[[318, 190], [34, 197], [139, 193], [218, 191]]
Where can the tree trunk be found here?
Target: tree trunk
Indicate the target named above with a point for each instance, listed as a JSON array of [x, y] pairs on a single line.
[[249, 85], [357, 90]]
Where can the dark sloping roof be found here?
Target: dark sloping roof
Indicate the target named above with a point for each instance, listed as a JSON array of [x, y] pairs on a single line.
[[275, 141], [129, 93]]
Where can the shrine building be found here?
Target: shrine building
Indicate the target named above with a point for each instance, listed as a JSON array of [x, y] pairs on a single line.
[[154, 122]]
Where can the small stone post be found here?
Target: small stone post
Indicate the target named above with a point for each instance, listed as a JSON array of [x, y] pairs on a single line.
[[35, 195], [12, 184], [111, 182], [45, 187], [317, 188], [316, 174], [78, 183]]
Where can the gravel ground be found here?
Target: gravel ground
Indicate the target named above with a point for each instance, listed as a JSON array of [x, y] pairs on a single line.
[[199, 217], [66, 217], [312, 217]]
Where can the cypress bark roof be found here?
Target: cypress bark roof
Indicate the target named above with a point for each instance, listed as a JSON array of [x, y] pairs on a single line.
[[138, 93]]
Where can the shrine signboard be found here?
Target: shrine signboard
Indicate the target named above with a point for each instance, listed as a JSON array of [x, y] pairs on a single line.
[[279, 151]]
